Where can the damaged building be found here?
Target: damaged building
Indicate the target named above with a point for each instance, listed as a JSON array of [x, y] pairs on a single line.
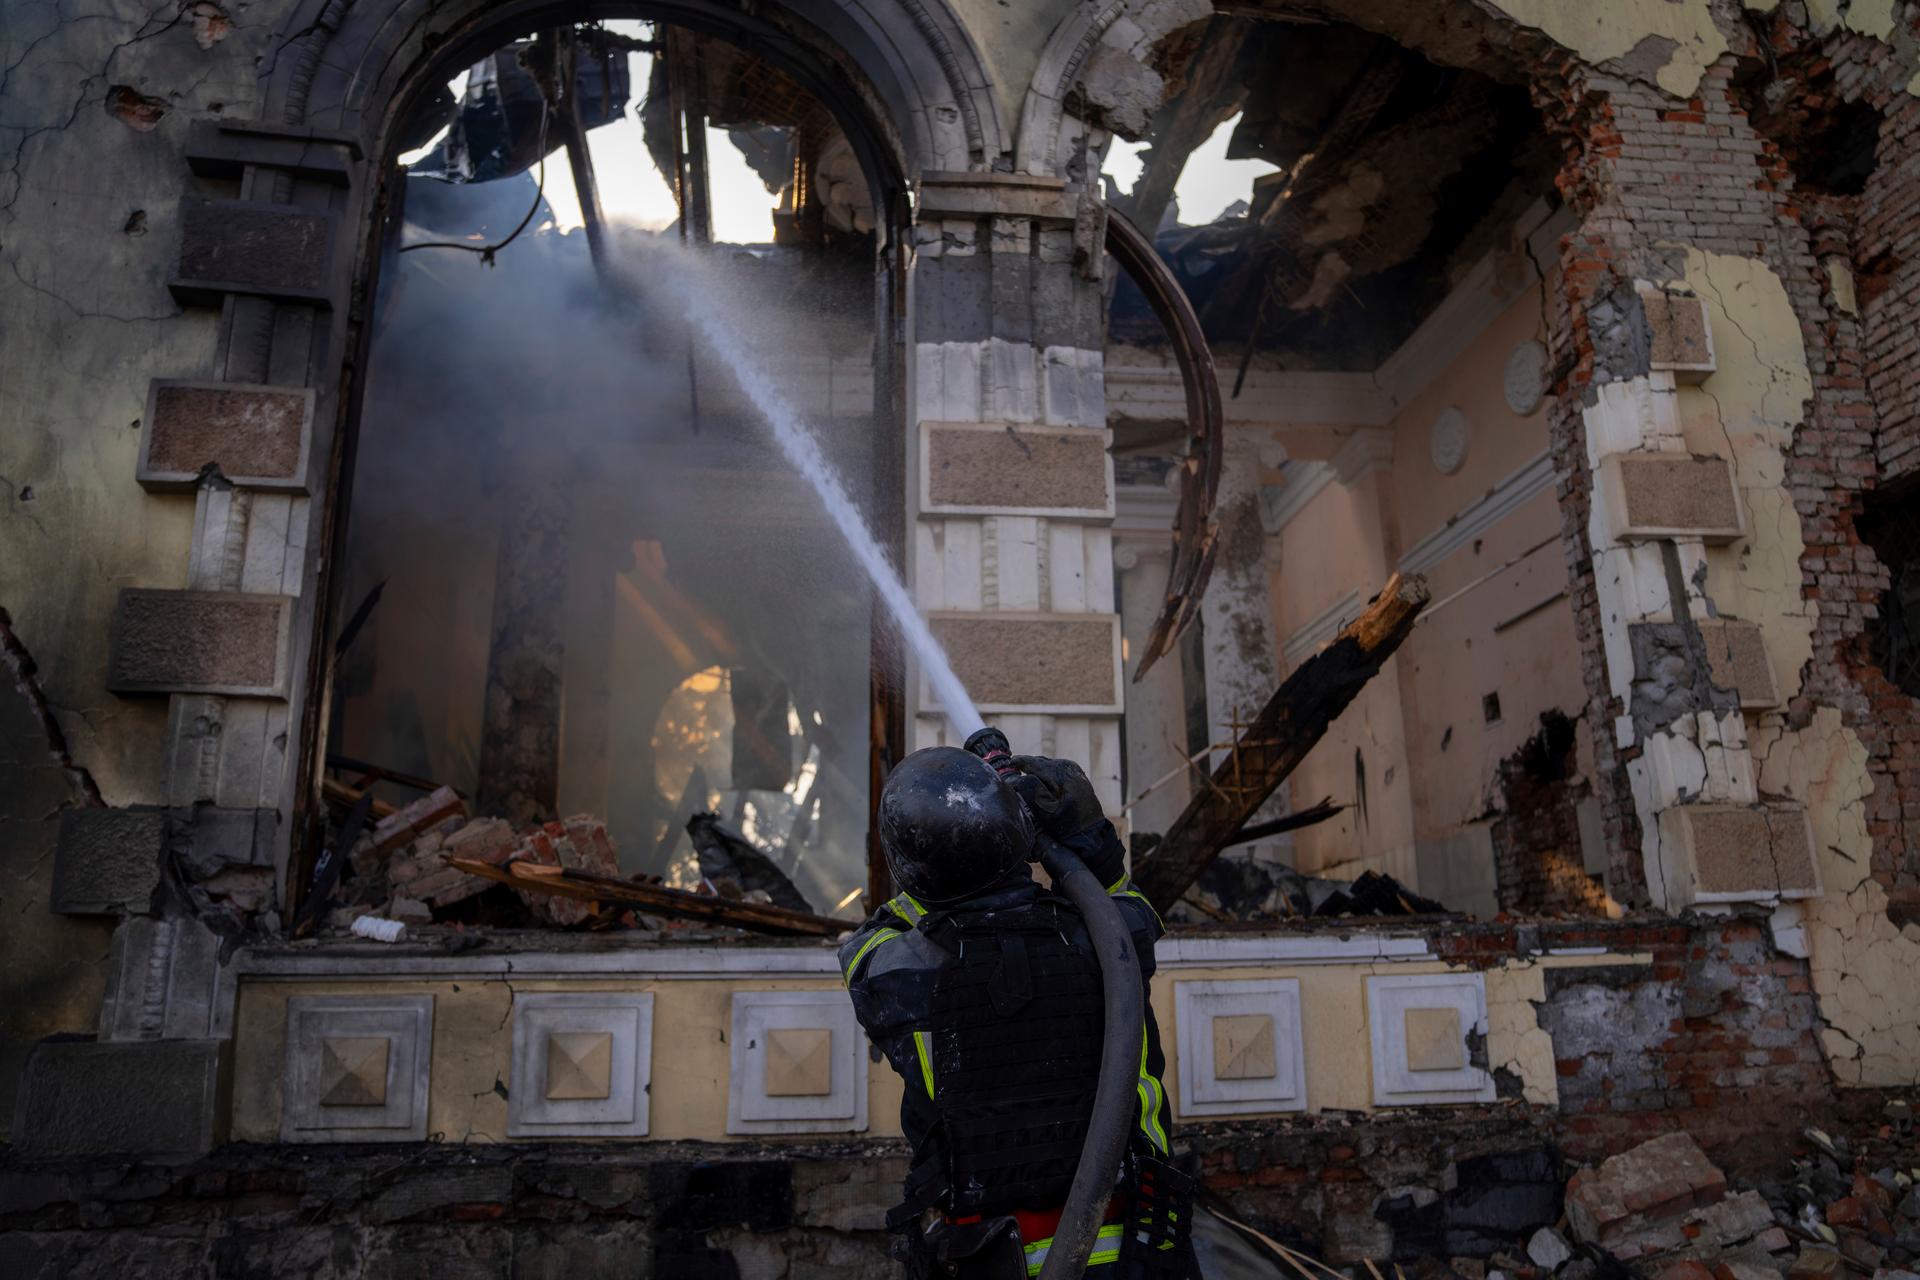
[[1449, 472]]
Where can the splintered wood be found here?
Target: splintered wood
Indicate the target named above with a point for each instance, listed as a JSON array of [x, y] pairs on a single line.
[[1278, 739], [587, 886]]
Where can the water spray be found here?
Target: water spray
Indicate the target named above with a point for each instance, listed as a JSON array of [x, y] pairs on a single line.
[[803, 452]]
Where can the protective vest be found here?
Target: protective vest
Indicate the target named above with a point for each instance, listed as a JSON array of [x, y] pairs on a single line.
[[1015, 1027]]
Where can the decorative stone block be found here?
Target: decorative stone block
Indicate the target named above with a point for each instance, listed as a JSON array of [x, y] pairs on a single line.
[[799, 1064], [1670, 495], [1069, 663], [353, 1071], [224, 147], [224, 642], [244, 246], [1737, 659], [579, 1066], [1738, 853], [356, 1069], [1434, 1040], [1004, 468], [257, 435], [156, 1099], [1681, 337], [1240, 1050], [1423, 1028], [582, 1065], [108, 861]]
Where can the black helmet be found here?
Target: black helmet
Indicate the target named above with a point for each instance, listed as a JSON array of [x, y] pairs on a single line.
[[949, 826]]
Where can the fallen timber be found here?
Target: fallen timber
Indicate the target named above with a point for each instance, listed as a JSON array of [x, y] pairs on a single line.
[[589, 886], [1295, 718]]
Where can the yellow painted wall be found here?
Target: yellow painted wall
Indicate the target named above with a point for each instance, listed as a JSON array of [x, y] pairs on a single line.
[[473, 1036]]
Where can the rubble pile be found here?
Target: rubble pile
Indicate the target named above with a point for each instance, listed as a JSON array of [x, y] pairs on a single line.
[[401, 870], [1663, 1210]]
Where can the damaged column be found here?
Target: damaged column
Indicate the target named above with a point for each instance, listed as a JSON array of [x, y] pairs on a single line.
[[1684, 674], [1013, 496], [1238, 645]]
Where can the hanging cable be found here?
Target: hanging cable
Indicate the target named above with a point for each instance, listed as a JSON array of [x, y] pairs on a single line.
[[487, 251]]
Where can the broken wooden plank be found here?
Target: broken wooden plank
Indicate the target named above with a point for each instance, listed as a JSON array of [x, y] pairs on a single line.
[[401, 826], [1294, 719], [658, 900], [343, 797]]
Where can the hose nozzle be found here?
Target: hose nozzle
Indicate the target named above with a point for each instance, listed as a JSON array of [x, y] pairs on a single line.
[[992, 746]]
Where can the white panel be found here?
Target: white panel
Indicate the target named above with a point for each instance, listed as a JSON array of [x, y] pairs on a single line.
[[1395, 1082], [1202, 1091], [1067, 565], [960, 392], [961, 571], [1103, 761], [1073, 740], [625, 1017], [929, 381], [929, 565], [1025, 733], [751, 1109], [1099, 561], [1018, 561], [264, 566], [404, 1022]]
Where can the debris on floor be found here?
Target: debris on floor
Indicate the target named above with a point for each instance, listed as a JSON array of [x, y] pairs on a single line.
[[431, 861], [1665, 1211]]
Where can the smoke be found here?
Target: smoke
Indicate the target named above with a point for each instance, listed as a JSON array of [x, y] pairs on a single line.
[[690, 617]]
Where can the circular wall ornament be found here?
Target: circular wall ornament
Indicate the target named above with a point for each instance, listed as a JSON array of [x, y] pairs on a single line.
[[1526, 378], [1448, 440]]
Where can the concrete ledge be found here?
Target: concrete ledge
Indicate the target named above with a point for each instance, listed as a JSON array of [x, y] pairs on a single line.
[[999, 195], [224, 642], [1003, 468], [1067, 663], [157, 1099], [256, 435], [1670, 495], [108, 861]]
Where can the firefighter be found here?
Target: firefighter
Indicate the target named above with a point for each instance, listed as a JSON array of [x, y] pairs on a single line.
[[983, 991]]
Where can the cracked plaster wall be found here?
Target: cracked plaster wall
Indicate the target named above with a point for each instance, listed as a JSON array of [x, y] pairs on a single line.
[[89, 228], [1862, 963], [1752, 405], [1665, 42]]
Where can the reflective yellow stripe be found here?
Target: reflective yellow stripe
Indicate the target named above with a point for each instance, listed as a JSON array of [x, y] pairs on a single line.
[[923, 1045], [904, 906], [1150, 1100], [879, 936], [1106, 1248]]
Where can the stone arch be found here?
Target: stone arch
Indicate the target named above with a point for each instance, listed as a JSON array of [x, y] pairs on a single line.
[[1099, 53], [345, 66], [904, 76]]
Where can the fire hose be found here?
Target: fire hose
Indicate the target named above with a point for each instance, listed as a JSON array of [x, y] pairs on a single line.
[[1125, 1015]]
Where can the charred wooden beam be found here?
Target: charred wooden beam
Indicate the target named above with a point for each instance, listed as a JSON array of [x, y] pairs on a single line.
[[573, 134], [588, 886], [1210, 95], [1294, 719]]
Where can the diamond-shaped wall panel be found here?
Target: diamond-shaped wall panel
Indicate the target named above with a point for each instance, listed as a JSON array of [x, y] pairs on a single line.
[[1423, 1028], [582, 1065], [799, 1064], [1240, 1050], [356, 1069]]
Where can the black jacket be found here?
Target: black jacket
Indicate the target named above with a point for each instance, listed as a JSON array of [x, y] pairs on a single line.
[[890, 969]]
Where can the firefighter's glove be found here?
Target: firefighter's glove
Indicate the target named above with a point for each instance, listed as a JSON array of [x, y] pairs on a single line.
[[1059, 795]]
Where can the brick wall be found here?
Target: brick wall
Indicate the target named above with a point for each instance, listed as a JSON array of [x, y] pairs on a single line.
[[1539, 862], [1651, 176]]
